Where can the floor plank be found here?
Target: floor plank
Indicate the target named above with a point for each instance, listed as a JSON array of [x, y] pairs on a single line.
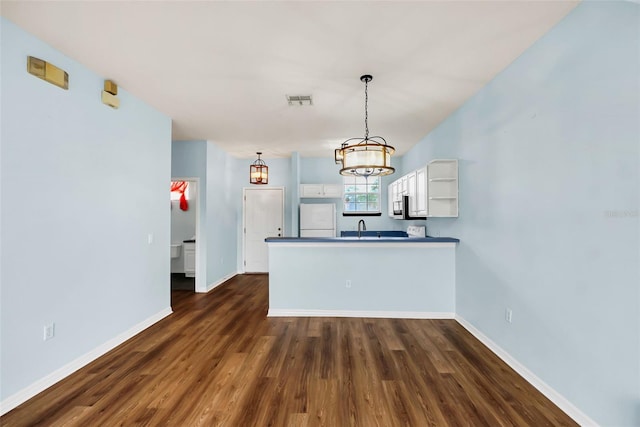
[[219, 361]]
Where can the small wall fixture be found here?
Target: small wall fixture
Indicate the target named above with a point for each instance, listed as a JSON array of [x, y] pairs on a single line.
[[48, 72], [259, 171], [368, 156], [109, 94]]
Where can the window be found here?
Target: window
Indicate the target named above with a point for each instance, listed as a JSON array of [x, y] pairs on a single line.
[[361, 195]]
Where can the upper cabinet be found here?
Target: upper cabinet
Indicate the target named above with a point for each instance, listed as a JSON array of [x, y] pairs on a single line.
[[432, 191], [442, 188], [391, 197], [323, 191], [419, 206]]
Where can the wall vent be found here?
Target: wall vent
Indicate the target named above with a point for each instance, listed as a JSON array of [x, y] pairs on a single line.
[[299, 100]]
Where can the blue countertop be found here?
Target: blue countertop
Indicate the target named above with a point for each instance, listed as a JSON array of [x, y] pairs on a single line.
[[374, 233], [364, 239]]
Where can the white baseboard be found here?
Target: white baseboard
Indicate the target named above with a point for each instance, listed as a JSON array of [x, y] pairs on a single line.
[[28, 392], [221, 281], [560, 401], [358, 313]]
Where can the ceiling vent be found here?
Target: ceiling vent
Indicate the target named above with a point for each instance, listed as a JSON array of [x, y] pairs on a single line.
[[299, 100]]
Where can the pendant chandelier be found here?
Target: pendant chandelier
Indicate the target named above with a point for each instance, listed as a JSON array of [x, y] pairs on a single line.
[[368, 156], [258, 171]]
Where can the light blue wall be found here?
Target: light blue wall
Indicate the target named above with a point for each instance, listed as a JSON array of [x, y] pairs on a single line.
[[549, 226], [221, 217], [314, 277], [218, 204], [225, 177], [82, 187], [189, 160]]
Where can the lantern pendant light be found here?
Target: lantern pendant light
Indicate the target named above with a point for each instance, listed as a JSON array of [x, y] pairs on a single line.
[[259, 171], [368, 156]]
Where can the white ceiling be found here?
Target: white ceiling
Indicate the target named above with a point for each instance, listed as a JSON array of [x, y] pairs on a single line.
[[221, 70]]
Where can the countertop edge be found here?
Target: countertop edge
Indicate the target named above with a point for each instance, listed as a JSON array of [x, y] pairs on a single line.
[[350, 241]]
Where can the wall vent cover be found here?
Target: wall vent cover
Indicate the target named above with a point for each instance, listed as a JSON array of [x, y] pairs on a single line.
[[299, 100]]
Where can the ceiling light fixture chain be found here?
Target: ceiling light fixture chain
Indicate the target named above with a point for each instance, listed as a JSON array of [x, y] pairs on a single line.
[[366, 80]]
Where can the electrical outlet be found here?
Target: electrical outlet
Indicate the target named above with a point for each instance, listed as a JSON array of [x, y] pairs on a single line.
[[49, 331], [348, 284], [150, 238], [508, 315]]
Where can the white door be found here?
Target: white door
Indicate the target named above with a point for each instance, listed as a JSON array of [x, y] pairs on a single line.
[[263, 217]]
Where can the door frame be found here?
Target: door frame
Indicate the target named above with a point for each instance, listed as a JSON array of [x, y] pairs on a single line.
[[201, 274], [244, 218]]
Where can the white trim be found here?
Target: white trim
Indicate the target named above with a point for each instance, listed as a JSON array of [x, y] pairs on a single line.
[[31, 390], [365, 244], [279, 312], [214, 285], [559, 400]]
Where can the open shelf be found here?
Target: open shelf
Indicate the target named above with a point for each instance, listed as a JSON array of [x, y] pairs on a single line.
[[443, 188]]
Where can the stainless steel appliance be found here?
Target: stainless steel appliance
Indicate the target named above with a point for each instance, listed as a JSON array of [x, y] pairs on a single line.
[[401, 209]]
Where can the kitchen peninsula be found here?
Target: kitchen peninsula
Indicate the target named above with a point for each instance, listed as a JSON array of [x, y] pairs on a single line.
[[362, 277]]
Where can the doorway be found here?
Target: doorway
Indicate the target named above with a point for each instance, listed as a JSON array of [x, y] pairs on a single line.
[[186, 268], [263, 216]]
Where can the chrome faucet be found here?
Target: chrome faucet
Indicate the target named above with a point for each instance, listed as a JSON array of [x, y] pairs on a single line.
[[364, 227]]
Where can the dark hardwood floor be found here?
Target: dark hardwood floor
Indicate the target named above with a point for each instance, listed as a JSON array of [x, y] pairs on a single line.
[[179, 282], [218, 360]]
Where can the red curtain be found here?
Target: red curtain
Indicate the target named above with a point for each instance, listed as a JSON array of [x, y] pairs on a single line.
[[181, 187]]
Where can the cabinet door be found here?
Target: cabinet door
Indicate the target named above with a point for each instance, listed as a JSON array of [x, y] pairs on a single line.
[[403, 187], [311, 190], [411, 192], [189, 260], [333, 191], [421, 192], [391, 196]]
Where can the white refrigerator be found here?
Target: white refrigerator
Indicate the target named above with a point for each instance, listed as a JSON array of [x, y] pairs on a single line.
[[317, 220]]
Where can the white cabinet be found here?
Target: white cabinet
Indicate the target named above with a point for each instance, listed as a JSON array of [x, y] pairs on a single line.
[[419, 205], [332, 191], [442, 188], [411, 192], [403, 186], [432, 190], [414, 185], [391, 194], [394, 193], [325, 191], [417, 192], [189, 254]]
